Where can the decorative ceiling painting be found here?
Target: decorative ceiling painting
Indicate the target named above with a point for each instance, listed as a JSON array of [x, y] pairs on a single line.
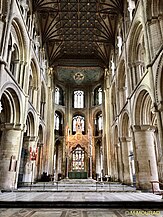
[[79, 75]]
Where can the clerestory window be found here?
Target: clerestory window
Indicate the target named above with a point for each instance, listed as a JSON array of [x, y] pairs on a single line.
[[58, 123], [98, 124], [98, 96], [59, 96], [78, 99]]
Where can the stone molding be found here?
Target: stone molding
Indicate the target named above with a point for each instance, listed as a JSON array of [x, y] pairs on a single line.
[[125, 139]]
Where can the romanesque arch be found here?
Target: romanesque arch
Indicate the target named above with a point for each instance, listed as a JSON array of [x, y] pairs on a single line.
[[127, 150], [145, 155], [159, 116], [10, 136], [17, 52], [136, 54], [33, 84]]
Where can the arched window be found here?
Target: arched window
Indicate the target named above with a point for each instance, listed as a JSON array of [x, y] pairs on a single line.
[[59, 96], [33, 85], [98, 124], [98, 96], [43, 101], [58, 123], [78, 124], [78, 99]]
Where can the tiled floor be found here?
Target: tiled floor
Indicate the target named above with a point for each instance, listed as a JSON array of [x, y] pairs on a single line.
[[79, 212]]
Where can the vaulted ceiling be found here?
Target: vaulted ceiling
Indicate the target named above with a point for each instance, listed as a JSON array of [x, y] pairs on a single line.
[[78, 29]]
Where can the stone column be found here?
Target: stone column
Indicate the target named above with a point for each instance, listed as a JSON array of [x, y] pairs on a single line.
[[159, 113], [9, 153], [115, 165], [106, 123], [39, 160], [30, 170], [67, 166], [97, 161], [145, 157], [101, 161], [120, 162], [125, 160], [7, 31], [59, 159], [90, 158]]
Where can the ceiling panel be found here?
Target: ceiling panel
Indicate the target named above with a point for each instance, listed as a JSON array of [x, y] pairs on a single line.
[[78, 28]]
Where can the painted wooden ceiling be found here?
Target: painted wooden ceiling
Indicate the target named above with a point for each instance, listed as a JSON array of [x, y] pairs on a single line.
[[79, 75], [78, 29]]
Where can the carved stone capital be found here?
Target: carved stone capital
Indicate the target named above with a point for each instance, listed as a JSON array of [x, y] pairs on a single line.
[[11, 126], [138, 128], [160, 106]]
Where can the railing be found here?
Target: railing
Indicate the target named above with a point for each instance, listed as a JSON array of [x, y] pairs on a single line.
[[155, 190], [70, 187]]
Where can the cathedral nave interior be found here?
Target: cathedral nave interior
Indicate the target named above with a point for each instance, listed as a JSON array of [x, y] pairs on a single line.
[[81, 91]]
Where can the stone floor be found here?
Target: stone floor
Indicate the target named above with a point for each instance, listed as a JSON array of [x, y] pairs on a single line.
[[79, 196], [76, 185], [106, 202], [79, 212]]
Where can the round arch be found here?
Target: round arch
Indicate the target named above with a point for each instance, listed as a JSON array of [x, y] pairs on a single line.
[[159, 81], [20, 38], [136, 30], [30, 124], [142, 109], [125, 124], [11, 107]]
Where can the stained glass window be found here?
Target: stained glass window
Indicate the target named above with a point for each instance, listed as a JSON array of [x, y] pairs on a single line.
[[78, 159], [78, 123]]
